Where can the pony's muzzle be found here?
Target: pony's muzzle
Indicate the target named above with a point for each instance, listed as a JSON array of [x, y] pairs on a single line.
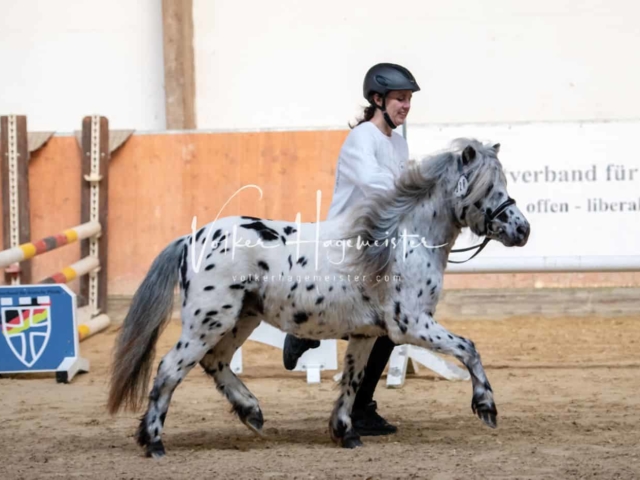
[[510, 234], [522, 234]]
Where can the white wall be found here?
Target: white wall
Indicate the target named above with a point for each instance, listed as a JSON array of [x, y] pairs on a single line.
[[292, 64], [62, 60]]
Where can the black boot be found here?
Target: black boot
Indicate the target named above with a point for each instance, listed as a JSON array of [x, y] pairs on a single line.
[[367, 422], [293, 349]]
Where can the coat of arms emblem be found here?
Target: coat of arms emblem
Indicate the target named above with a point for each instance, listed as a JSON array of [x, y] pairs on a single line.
[[26, 327]]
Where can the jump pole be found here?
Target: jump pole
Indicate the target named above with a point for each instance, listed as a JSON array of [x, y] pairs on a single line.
[[29, 250], [87, 324], [77, 270]]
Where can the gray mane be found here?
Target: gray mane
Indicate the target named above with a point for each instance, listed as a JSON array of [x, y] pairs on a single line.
[[378, 217]]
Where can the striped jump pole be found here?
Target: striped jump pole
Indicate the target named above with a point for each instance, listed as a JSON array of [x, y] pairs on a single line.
[[93, 326], [31, 249], [88, 324], [78, 269]]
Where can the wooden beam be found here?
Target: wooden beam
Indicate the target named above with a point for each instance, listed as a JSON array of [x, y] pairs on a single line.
[[95, 142], [15, 201], [179, 72]]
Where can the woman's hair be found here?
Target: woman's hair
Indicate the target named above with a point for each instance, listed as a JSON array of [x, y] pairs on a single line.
[[367, 115]]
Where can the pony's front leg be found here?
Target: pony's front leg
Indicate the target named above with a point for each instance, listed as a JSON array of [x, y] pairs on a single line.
[[426, 332], [355, 362]]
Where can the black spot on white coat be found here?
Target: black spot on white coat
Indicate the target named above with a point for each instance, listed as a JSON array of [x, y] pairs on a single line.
[[266, 233]]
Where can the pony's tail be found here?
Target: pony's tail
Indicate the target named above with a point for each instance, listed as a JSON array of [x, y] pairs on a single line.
[[149, 312]]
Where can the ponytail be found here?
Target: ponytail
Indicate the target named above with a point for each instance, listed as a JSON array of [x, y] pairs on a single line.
[[369, 112]]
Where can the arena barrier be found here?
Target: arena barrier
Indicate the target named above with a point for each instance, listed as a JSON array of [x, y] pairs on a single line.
[[43, 324]]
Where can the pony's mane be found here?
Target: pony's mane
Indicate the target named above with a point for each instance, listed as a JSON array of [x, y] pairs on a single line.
[[377, 219]]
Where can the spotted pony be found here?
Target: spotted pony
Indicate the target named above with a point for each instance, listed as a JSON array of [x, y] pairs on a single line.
[[376, 270]]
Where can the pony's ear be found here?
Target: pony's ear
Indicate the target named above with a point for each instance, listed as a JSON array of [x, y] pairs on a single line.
[[468, 154], [496, 147]]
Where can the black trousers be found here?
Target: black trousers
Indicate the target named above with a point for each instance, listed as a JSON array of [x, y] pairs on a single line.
[[378, 360]]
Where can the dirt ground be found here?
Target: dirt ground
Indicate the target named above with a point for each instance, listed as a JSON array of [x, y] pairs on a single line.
[[567, 392]]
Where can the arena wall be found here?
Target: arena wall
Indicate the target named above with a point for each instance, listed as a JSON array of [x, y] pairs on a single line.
[[159, 182], [299, 65], [274, 90]]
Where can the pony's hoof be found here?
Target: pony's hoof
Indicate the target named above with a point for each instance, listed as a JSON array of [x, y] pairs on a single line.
[[255, 424], [155, 450], [337, 430], [254, 421], [351, 440], [489, 418], [487, 413]]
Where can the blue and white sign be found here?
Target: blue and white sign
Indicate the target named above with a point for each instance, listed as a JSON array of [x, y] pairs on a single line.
[[39, 331]]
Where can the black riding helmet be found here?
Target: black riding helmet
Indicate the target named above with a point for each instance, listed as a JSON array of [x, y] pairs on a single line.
[[383, 78]]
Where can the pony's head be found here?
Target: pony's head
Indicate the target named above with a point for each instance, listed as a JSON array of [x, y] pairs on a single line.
[[479, 195]]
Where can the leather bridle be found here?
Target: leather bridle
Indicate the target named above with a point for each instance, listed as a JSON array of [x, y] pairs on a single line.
[[461, 191], [487, 221]]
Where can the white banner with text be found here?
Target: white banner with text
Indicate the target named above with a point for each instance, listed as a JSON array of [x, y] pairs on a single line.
[[577, 183]]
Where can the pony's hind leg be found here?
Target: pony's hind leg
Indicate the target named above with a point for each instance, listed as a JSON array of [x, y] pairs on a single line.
[[216, 363], [173, 368], [355, 362]]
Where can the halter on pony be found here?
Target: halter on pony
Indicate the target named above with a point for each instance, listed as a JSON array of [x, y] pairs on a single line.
[[461, 192]]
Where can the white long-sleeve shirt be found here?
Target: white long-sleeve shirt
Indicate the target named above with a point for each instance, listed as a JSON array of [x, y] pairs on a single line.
[[369, 160]]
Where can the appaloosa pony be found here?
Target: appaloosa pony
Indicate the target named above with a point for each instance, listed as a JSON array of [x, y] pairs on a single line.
[[377, 270]]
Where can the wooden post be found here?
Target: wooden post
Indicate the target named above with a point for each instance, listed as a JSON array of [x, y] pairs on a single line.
[[95, 207], [179, 78], [15, 192]]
